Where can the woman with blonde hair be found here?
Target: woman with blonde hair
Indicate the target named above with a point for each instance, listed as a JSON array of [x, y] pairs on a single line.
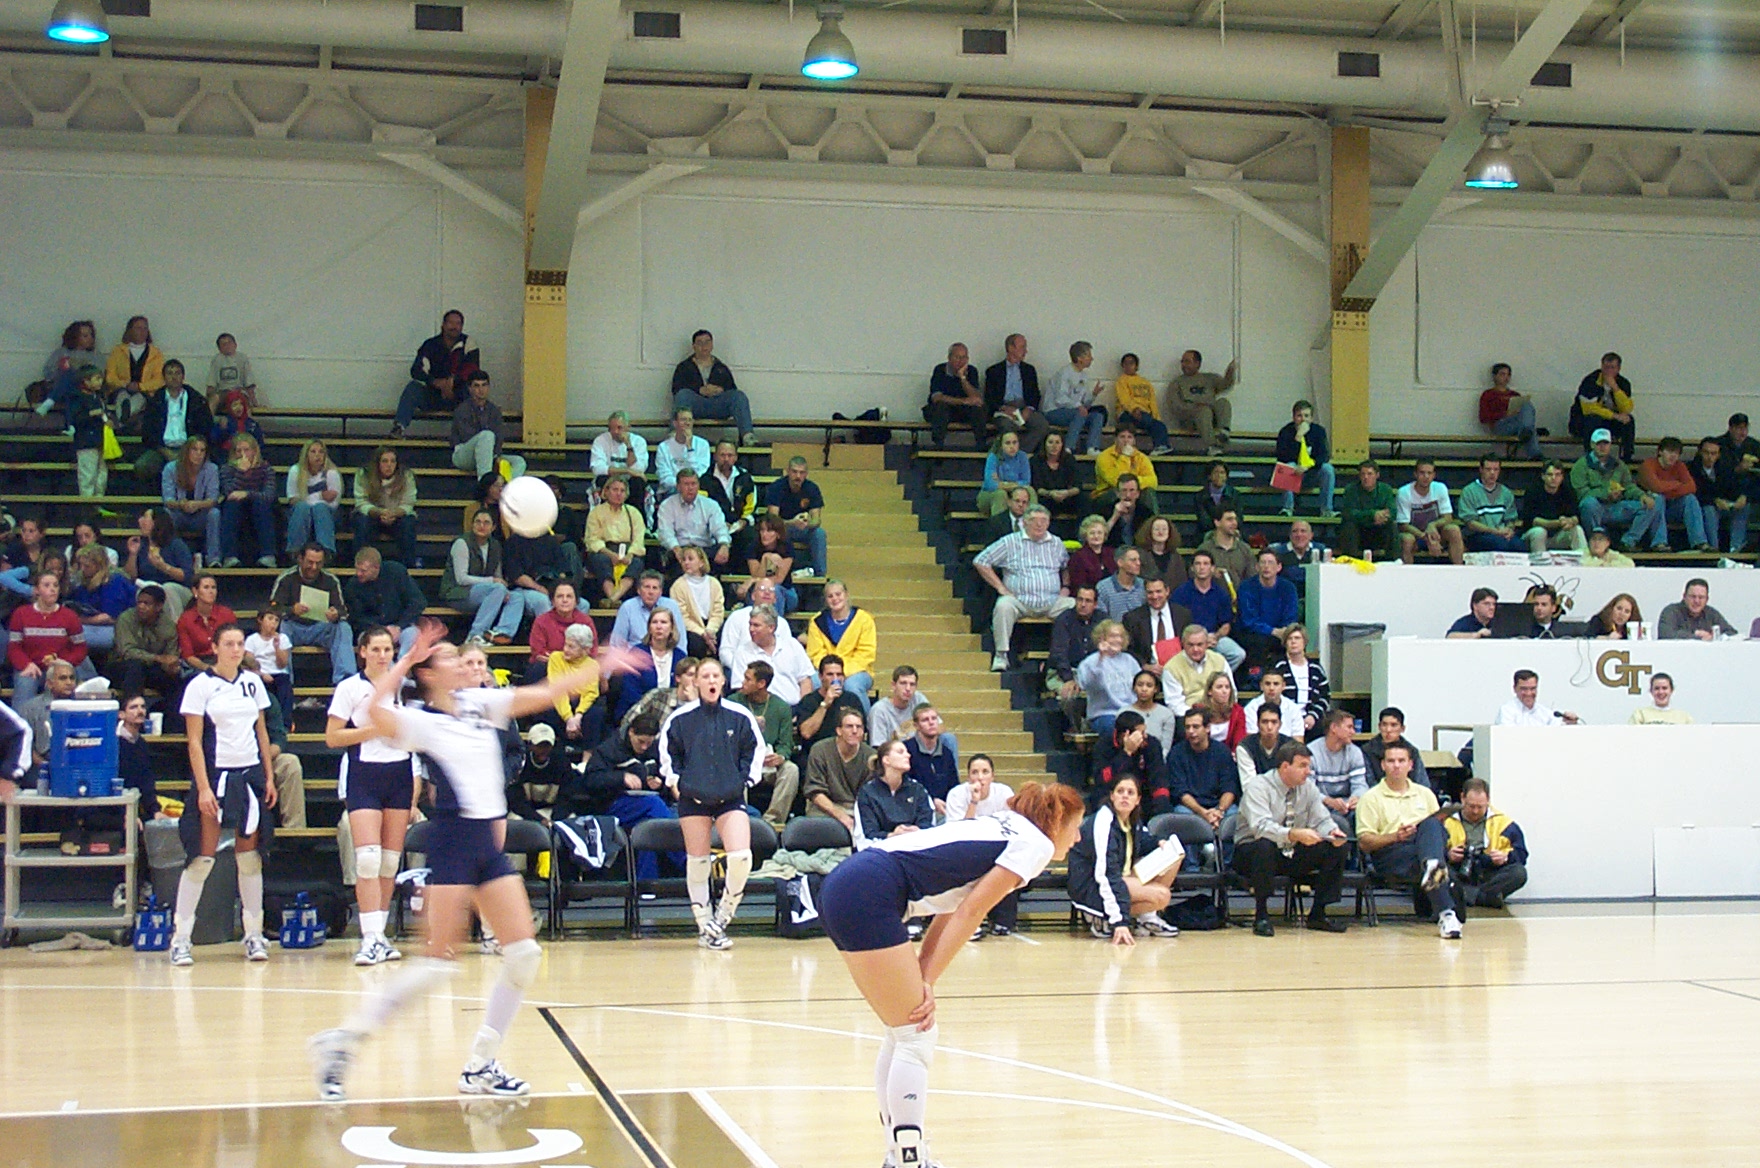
[[190, 488], [315, 486], [100, 595], [247, 486], [699, 596], [1223, 713], [385, 505], [1610, 623]]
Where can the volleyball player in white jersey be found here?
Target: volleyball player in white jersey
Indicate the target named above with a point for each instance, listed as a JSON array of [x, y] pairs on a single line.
[[378, 790], [956, 872], [456, 733], [233, 787]]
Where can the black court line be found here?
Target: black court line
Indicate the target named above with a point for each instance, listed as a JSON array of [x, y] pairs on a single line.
[[631, 1128], [1720, 990]]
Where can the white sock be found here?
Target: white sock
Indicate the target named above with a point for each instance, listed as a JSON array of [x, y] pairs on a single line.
[[413, 980], [487, 1042], [739, 869], [907, 1090], [696, 882], [373, 924], [1149, 916], [189, 894], [882, 1083], [250, 891]]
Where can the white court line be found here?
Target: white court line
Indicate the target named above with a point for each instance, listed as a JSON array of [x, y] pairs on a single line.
[[577, 1088], [70, 1105], [1020, 936], [753, 1150], [154, 1109]]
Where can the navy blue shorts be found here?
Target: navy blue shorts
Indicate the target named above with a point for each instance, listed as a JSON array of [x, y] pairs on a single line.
[[687, 807], [463, 851], [380, 786], [863, 901]]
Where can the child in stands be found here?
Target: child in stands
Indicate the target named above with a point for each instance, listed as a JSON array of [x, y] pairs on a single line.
[[230, 371], [87, 416]]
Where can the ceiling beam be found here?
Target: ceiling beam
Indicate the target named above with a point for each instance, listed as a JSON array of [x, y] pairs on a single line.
[[646, 181], [592, 29], [1306, 241], [1204, 13], [1401, 19], [1512, 75], [1609, 28], [459, 185]]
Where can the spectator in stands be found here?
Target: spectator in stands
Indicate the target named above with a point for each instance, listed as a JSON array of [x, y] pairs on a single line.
[[1069, 400], [816, 713], [796, 500], [659, 702], [381, 593], [146, 647], [1481, 615], [1398, 830], [273, 651], [438, 375], [488, 498], [736, 629], [1148, 704], [1390, 730], [1340, 770], [1131, 506], [1298, 553], [1135, 396], [135, 371], [1106, 676], [1742, 452], [1368, 511], [1610, 623], [1306, 678], [85, 534], [1487, 854], [1205, 779], [134, 761], [87, 418], [1601, 554], [59, 682], [478, 436], [232, 420], [792, 671], [691, 519], [836, 769], [702, 384], [780, 774], [78, 349], [892, 713], [732, 489], [1054, 478], [200, 622], [307, 624], [1103, 884], [1187, 676], [954, 396], [1093, 561], [620, 453], [656, 662], [1669, 479], [699, 597], [229, 371], [1722, 497], [315, 487], [1130, 750], [622, 779], [1122, 592], [536, 564], [1268, 605], [772, 562], [682, 448], [1274, 692], [1011, 395], [934, 754], [1284, 829], [157, 556], [25, 550], [169, 420], [1200, 400], [385, 505], [247, 493], [1692, 616], [1659, 712], [631, 624], [472, 581], [101, 595], [1029, 573], [1212, 606], [1158, 540], [1227, 550], [1119, 461], [579, 713], [979, 795], [842, 628], [561, 611], [1222, 710], [1008, 521], [1006, 470], [1155, 628], [1607, 495], [1525, 710], [1214, 497], [890, 802], [1509, 414], [1546, 625], [616, 539], [1071, 635], [1255, 756], [1604, 402], [1302, 444], [1549, 513], [1426, 516], [190, 488], [1488, 509]]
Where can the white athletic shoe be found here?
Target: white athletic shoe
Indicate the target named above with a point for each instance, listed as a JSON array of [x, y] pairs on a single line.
[[181, 955], [713, 936], [331, 1052], [491, 1079], [392, 953], [1435, 872], [256, 948], [1098, 929], [490, 947], [374, 951], [1154, 926], [724, 914], [1449, 926]]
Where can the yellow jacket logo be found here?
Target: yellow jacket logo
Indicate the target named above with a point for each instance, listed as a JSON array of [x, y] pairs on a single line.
[[1614, 669]]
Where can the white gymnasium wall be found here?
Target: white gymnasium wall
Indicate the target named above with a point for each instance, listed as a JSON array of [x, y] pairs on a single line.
[[330, 274]]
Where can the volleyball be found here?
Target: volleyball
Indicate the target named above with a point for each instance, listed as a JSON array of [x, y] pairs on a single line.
[[528, 505]]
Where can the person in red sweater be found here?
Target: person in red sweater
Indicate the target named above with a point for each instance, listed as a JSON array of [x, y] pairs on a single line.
[[548, 628], [1666, 475], [199, 622], [43, 632]]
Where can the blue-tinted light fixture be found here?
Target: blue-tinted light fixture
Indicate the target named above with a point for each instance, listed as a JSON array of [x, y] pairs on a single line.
[[1493, 167], [78, 22], [830, 56]]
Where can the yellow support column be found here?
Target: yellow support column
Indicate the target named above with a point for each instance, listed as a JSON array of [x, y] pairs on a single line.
[[545, 380], [1350, 317]]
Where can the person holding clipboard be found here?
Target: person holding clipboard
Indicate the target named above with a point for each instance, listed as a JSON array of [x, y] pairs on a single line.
[[316, 612]]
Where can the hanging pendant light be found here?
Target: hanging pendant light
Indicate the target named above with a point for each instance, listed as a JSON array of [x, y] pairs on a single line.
[[78, 22], [830, 56], [1493, 168]]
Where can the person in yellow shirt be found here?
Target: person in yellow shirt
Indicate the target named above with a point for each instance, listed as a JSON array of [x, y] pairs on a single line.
[[1398, 829], [1122, 458], [1135, 396], [581, 725], [849, 632], [134, 371], [1661, 713]]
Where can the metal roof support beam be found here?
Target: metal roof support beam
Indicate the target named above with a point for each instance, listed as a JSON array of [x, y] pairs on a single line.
[[1306, 242], [592, 28], [1609, 28], [646, 181], [1401, 19], [459, 185]]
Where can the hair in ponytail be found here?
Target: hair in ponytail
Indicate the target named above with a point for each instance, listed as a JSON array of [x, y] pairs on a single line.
[[1048, 805]]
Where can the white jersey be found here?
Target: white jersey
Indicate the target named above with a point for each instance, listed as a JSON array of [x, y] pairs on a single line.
[[941, 864], [231, 709], [351, 702], [462, 751], [960, 799]]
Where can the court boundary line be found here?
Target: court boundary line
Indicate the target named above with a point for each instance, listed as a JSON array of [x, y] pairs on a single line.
[[730, 1127], [632, 1128]]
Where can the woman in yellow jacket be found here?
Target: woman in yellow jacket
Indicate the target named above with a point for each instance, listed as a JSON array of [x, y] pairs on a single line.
[[579, 718], [135, 370], [847, 631]]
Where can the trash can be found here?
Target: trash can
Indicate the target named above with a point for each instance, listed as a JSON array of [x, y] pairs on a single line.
[[82, 748], [1347, 659]]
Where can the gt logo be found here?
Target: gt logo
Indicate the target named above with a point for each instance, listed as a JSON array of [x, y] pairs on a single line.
[[1614, 669]]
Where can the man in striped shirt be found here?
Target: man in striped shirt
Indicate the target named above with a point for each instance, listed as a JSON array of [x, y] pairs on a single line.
[[1030, 572]]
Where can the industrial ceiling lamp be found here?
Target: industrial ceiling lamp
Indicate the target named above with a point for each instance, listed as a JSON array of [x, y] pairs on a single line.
[[830, 56], [78, 22], [1493, 168]]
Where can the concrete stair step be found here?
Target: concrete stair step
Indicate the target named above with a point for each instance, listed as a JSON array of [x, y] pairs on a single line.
[[919, 624]]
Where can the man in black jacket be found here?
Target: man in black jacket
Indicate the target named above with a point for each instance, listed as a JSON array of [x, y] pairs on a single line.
[[703, 384], [1302, 430], [1158, 621], [438, 375], [954, 396], [730, 487], [1011, 395], [381, 593], [192, 419]]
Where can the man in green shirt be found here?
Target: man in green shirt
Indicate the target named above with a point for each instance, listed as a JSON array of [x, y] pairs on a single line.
[[1366, 510], [1488, 509], [1607, 495], [778, 722]]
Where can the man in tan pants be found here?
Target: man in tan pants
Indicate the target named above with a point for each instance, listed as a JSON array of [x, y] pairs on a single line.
[[1197, 399]]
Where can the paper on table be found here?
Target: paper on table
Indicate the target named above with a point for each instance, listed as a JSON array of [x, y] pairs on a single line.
[[316, 600]]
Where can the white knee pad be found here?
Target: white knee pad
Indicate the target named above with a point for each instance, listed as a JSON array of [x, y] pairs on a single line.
[[913, 1045], [249, 863], [519, 963], [198, 868], [698, 868], [389, 863], [739, 869], [366, 862]]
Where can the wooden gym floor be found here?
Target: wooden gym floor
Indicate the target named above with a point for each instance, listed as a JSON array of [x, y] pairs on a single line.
[[1561, 1035]]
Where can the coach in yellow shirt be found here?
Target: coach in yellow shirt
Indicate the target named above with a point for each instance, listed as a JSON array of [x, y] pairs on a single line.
[[1398, 830]]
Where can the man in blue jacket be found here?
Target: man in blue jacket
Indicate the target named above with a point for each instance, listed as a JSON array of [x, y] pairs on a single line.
[[1206, 782], [1302, 444], [1267, 603], [438, 375]]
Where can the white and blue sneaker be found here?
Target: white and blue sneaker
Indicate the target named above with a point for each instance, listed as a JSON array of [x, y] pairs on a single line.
[[491, 1079], [256, 948], [375, 951], [181, 954], [711, 935], [331, 1051]]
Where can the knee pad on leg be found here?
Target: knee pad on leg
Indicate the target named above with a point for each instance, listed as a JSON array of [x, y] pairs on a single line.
[[198, 868], [739, 869], [366, 861], [249, 863], [698, 868], [519, 963], [913, 1045], [389, 863]]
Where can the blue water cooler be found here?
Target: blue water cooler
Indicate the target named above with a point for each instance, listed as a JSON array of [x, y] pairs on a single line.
[[82, 748]]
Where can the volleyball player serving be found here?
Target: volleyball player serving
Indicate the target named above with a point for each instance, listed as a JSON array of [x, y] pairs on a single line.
[[233, 785], [456, 733], [956, 872], [378, 790]]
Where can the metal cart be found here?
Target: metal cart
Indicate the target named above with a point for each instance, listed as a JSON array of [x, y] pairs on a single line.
[[74, 914]]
